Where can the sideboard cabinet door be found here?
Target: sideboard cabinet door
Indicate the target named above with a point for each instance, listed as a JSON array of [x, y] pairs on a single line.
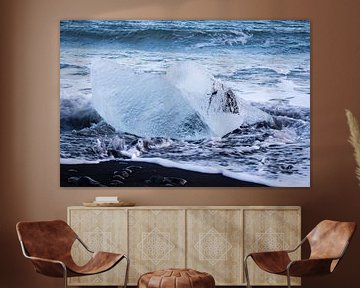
[[214, 243], [270, 230], [101, 230], [156, 240]]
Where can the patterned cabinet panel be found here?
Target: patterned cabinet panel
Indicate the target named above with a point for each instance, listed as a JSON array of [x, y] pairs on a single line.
[[267, 230], [101, 230], [156, 240], [214, 244]]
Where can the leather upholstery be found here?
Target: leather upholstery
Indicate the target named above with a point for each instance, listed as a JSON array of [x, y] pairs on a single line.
[[328, 241], [53, 240], [272, 262], [176, 278]]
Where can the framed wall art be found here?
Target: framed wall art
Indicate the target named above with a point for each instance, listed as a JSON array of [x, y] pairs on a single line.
[[185, 103]]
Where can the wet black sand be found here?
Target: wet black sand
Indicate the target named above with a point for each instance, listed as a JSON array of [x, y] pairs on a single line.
[[140, 174]]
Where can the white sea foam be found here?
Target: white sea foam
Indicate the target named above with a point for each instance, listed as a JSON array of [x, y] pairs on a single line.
[[220, 39], [284, 181], [78, 161], [285, 92]]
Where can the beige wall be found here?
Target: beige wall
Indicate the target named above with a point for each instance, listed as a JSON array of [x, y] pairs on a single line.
[[29, 111]]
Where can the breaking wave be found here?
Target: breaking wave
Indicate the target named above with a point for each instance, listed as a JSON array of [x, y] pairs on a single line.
[[185, 34]]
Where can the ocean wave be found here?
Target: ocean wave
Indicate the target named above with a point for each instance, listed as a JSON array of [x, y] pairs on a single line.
[[77, 113], [236, 38], [135, 32], [101, 141], [190, 34], [275, 154]]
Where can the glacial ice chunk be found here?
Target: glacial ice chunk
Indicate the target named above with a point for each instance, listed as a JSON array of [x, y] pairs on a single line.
[[185, 103]]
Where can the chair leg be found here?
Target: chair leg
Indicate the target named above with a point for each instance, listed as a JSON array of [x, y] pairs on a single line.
[[288, 278], [246, 270], [127, 271], [65, 276]]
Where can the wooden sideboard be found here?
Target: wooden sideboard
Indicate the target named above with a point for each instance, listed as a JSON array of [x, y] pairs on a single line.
[[212, 239]]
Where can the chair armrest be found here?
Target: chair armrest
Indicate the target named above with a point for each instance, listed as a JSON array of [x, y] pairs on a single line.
[[309, 267], [48, 267], [298, 246], [45, 260], [84, 245], [268, 254], [280, 251]]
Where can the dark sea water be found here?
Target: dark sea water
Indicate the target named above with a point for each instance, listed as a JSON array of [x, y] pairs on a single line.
[[142, 89]]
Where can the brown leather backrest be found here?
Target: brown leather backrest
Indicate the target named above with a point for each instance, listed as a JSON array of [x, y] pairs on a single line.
[[46, 239], [329, 238]]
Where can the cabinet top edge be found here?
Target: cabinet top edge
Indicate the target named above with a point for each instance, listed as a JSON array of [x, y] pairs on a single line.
[[192, 207]]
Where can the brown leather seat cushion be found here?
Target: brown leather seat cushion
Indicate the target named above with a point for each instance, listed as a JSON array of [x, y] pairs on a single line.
[[176, 278]]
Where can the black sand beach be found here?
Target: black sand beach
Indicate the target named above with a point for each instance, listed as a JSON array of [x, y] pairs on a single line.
[[140, 174]]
